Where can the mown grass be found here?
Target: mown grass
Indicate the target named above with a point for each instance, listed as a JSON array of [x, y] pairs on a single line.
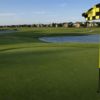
[[33, 70]]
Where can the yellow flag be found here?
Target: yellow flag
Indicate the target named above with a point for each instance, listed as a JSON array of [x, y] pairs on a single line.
[[93, 13]]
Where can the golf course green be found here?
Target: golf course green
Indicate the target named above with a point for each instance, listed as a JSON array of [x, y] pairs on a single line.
[[31, 69]]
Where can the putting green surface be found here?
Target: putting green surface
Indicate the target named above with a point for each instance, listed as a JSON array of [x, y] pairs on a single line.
[[32, 70]]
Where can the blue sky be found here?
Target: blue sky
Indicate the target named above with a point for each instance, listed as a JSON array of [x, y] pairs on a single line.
[[42, 11]]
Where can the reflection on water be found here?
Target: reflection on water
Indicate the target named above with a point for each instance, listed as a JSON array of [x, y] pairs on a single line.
[[82, 39]]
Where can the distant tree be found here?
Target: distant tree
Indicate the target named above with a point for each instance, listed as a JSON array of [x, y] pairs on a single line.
[[70, 24]]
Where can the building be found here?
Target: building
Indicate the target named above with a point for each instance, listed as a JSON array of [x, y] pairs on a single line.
[[77, 24], [65, 25]]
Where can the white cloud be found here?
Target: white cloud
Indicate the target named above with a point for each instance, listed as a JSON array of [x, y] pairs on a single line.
[[7, 14], [21, 14], [39, 12]]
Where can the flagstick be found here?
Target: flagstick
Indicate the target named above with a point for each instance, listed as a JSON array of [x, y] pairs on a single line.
[[99, 74], [99, 82]]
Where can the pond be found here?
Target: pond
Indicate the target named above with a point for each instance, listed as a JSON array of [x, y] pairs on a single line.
[[7, 31], [91, 38]]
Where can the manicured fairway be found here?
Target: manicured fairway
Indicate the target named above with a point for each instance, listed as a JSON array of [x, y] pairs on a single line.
[[32, 70]]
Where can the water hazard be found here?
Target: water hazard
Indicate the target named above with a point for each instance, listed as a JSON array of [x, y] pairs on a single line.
[[91, 38]]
